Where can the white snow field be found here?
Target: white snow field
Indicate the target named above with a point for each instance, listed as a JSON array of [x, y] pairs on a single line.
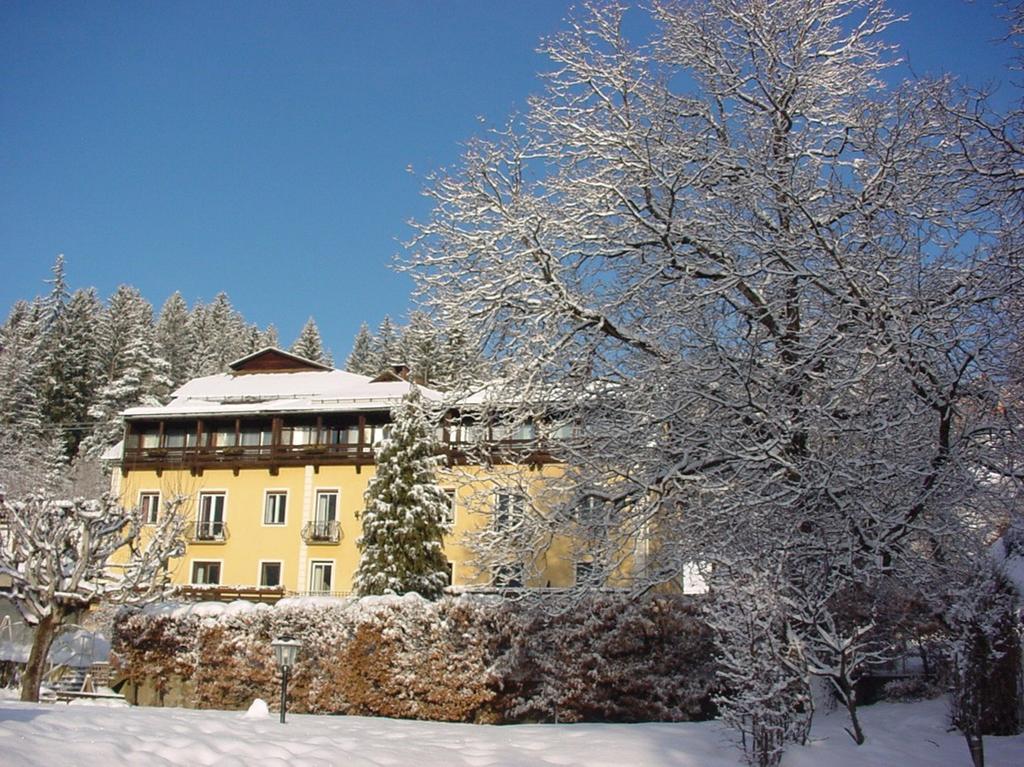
[[899, 735]]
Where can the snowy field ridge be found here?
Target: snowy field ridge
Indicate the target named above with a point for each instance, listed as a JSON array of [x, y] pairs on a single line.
[[899, 735]]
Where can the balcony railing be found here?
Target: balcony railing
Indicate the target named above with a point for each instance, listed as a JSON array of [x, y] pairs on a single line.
[[206, 531], [322, 532]]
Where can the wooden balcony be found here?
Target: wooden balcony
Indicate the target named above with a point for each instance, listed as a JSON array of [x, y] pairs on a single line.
[[234, 457]]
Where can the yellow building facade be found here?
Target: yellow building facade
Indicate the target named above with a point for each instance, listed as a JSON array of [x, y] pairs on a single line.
[[272, 461]]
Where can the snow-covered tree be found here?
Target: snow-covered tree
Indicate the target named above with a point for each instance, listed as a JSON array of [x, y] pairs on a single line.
[[769, 293], [401, 547], [269, 337], [58, 556], [385, 345], [361, 359], [309, 345], [133, 372], [174, 338], [73, 367], [219, 334]]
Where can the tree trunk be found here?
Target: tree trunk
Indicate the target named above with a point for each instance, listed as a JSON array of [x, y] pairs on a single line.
[[977, 748], [41, 641]]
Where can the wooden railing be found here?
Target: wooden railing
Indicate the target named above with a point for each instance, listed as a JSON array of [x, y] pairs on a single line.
[[271, 456]]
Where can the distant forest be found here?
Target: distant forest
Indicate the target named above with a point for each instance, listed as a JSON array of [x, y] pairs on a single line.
[[70, 363]]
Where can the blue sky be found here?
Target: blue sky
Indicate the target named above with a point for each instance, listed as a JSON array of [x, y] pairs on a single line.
[[261, 148]]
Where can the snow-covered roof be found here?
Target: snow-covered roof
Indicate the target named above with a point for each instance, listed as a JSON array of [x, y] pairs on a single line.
[[255, 393]]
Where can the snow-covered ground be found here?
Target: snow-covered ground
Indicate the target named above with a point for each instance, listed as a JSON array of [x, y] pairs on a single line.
[[899, 735]]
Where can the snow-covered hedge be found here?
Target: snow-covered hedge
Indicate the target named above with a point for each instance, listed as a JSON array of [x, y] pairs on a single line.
[[465, 658]]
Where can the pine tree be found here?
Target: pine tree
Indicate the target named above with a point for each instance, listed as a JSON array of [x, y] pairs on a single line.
[[309, 346], [219, 336], [361, 360], [22, 369], [403, 524], [73, 366], [174, 338], [385, 346], [420, 348], [269, 337], [133, 372]]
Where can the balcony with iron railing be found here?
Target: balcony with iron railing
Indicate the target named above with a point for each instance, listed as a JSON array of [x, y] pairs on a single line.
[[322, 532], [207, 531]]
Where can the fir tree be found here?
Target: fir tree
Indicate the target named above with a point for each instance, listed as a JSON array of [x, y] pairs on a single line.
[[22, 369], [385, 346], [174, 338], [220, 334], [309, 346], [269, 337], [403, 524], [133, 372], [73, 366], [361, 360], [420, 348]]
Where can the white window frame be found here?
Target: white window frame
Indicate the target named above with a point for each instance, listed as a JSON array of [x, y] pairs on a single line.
[[336, 492], [266, 496], [205, 561], [590, 566], [516, 508], [224, 510], [259, 572], [449, 516], [155, 512], [312, 568]]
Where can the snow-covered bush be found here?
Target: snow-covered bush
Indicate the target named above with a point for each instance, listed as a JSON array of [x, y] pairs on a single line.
[[467, 658], [607, 658]]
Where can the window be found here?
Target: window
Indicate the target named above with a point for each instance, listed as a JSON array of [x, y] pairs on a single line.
[[451, 572], [149, 505], [321, 576], [274, 508], [256, 434], [210, 524], [591, 507], [298, 434], [508, 510], [270, 574], [205, 573], [449, 512], [585, 574], [508, 576], [325, 515], [174, 437], [225, 436]]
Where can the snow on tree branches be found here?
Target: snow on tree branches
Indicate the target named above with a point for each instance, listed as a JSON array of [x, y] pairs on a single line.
[[404, 521], [774, 297], [63, 557]]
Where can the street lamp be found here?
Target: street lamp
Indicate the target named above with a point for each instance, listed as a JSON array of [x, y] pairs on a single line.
[[285, 650]]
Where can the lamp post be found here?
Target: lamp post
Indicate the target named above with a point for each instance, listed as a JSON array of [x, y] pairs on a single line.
[[285, 650]]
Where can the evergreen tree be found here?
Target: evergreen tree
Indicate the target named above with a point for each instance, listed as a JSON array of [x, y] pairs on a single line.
[[420, 348], [269, 337], [174, 338], [361, 360], [73, 367], [133, 372], [220, 336], [385, 346], [403, 524], [22, 369], [309, 346]]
